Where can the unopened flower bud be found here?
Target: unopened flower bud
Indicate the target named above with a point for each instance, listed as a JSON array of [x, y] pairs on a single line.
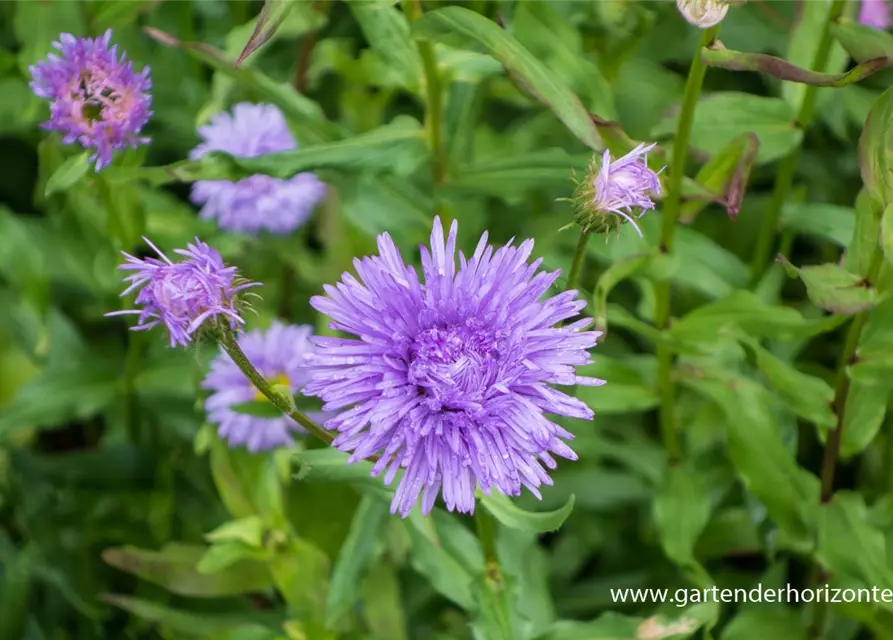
[[703, 13]]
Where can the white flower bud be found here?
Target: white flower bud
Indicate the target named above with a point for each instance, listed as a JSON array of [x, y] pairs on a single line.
[[703, 13]]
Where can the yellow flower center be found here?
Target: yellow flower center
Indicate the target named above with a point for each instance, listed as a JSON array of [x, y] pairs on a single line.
[[279, 378]]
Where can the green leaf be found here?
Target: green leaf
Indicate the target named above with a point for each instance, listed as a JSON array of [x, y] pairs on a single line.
[[248, 483], [803, 45], [724, 177], [193, 624], [809, 397], [874, 150], [300, 571], [767, 468], [825, 221], [848, 545], [311, 124], [58, 396], [618, 398], [835, 289], [174, 568], [271, 17], [681, 511], [442, 568], [396, 147], [510, 515], [874, 354], [744, 310], [863, 245], [258, 409], [249, 530], [382, 603], [766, 623], [722, 117], [496, 618], [330, 465], [614, 626], [15, 588], [221, 555], [861, 41], [866, 407], [514, 176], [69, 174], [614, 275], [462, 27], [356, 555], [527, 568], [784, 70], [387, 31]]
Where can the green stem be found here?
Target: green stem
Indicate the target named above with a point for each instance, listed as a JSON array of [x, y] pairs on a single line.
[[493, 578], [671, 208], [835, 437], [285, 403], [132, 363], [786, 170], [577, 263], [433, 95]]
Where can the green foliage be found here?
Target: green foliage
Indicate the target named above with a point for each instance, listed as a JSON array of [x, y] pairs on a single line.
[[125, 514]]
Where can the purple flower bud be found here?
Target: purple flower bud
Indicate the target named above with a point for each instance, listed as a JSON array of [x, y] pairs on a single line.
[[96, 98], [875, 13], [280, 355], [259, 202], [183, 295], [612, 192], [450, 378]]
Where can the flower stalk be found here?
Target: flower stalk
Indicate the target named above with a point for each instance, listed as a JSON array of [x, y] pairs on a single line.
[[577, 263], [672, 205], [283, 401]]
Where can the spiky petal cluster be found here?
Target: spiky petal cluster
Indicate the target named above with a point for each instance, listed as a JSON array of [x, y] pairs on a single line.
[[183, 295], [616, 191], [703, 13], [876, 13], [280, 355], [450, 377], [96, 98], [258, 202]]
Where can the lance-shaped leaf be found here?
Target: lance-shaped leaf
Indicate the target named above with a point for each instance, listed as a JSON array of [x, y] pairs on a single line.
[[314, 127], [862, 42], [719, 56], [874, 152], [271, 16], [616, 273], [833, 288], [464, 28], [511, 515], [387, 30], [724, 178]]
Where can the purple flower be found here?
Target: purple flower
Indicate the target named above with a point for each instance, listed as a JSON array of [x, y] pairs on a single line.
[[625, 184], [280, 355], [875, 13], [183, 295], [258, 202], [95, 96], [450, 379]]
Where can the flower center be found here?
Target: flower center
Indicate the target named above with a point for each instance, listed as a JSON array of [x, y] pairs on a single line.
[[454, 365], [279, 378], [182, 294]]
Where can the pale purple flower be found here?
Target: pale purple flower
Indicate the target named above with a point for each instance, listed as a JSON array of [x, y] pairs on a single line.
[[703, 13], [450, 378], [258, 202], [280, 355], [183, 295], [875, 13], [625, 185], [96, 98]]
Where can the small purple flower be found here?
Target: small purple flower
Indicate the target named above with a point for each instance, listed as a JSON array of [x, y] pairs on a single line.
[[259, 202], [280, 355], [183, 295], [875, 13], [95, 96], [625, 184], [450, 378]]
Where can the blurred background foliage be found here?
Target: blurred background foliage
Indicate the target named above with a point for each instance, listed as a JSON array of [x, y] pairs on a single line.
[[123, 516]]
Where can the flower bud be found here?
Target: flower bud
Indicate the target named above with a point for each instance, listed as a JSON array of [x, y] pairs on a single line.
[[703, 13]]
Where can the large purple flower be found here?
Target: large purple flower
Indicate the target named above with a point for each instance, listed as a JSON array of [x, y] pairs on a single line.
[[280, 355], [259, 202], [876, 13], [451, 378], [96, 98], [183, 295]]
